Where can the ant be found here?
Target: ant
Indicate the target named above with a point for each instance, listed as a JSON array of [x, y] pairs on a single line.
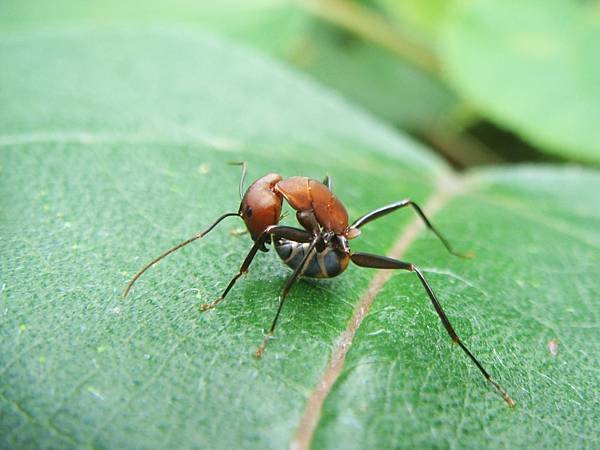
[[320, 248]]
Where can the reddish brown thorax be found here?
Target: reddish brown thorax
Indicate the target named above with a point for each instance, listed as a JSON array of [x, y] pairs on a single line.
[[261, 205], [305, 194]]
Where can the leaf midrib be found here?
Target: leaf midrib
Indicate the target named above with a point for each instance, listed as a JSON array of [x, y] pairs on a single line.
[[448, 186]]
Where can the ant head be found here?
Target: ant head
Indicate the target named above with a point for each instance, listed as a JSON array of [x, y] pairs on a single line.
[[261, 206]]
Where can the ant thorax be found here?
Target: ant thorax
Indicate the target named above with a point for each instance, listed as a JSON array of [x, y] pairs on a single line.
[[328, 260]]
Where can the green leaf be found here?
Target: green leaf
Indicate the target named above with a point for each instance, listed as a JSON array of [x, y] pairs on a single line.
[[532, 66], [533, 285], [270, 25], [113, 148], [389, 87], [422, 18]]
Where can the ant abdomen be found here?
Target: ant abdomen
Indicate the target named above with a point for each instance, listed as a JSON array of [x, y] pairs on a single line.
[[327, 263]]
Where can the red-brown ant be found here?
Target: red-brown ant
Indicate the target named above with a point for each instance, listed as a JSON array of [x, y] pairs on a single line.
[[320, 249]]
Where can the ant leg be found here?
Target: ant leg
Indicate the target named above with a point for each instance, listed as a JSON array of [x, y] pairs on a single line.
[[297, 272], [380, 212], [383, 262], [327, 181], [293, 234]]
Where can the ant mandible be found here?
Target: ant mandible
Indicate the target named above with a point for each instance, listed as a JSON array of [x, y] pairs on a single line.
[[320, 249]]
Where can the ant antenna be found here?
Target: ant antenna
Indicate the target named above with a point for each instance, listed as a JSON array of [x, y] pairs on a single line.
[[244, 169], [177, 247]]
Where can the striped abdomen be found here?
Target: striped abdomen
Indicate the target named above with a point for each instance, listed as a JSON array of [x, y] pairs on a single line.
[[326, 264]]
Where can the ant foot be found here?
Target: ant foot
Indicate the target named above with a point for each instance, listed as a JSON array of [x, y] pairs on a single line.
[[207, 306], [261, 349]]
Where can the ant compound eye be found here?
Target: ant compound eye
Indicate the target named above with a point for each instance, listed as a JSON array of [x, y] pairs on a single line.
[[247, 211]]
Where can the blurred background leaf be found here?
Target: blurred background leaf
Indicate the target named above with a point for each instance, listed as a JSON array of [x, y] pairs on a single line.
[[387, 84], [423, 18], [532, 67], [527, 75]]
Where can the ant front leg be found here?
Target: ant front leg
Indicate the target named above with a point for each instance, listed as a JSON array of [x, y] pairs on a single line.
[[297, 272], [380, 212], [293, 234], [383, 262]]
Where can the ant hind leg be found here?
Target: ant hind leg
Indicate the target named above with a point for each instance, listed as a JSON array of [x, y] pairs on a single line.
[[383, 262]]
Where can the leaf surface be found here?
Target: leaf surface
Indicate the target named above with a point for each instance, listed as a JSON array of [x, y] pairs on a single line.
[[113, 148], [532, 66], [525, 306]]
